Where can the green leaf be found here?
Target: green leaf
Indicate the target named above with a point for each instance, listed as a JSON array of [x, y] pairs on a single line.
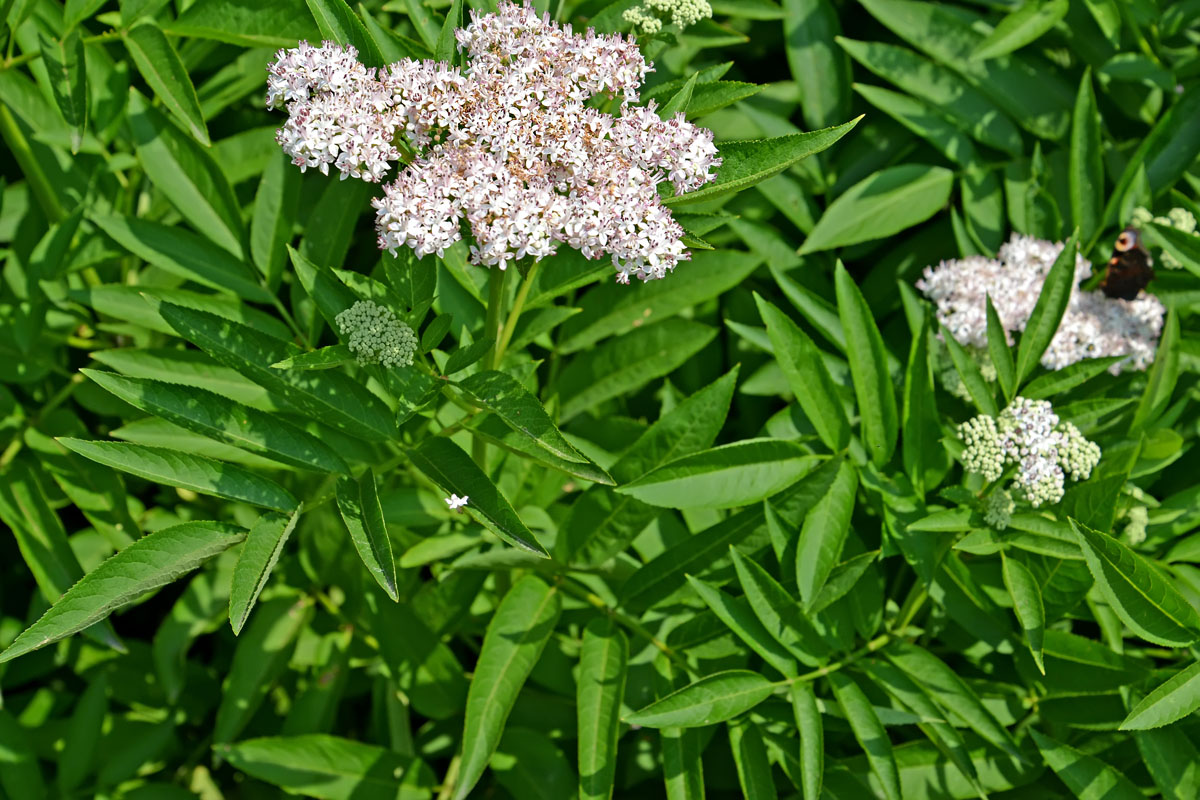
[[682, 748], [924, 121], [952, 693], [841, 580], [613, 309], [83, 735], [224, 420], [778, 612], [750, 758], [276, 206], [184, 254], [968, 371], [265, 23], [1001, 354], [1172, 760], [262, 653], [166, 74], [187, 174], [1021, 27], [812, 739], [1163, 377], [1048, 311], [736, 474], [823, 534], [807, 376], [1184, 246], [1170, 702], [885, 203], [186, 471], [1027, 602], [822, 74], [868, 731], [747, 163], [600, 688], [328, 396], [710, 97], [261, 551], [515, 638], [530, 765], [1085, 172], [620, 365], [338, 23], [1086, 776], [495, 431], [712, 699], [502, 394], [149, 563], [741, 619], [1144, 598], [445, 463], [66, 65], [1063, 380], [330, 767], [447, 46], [358, 500], [335, 355], [925, 459], [468, 354], [968, 108], [868, 370]]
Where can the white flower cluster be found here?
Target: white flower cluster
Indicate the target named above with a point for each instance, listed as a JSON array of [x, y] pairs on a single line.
[[1029, 435], [648, 17], [507, 148], [1093, 326], [375, 336], [1178, 218]]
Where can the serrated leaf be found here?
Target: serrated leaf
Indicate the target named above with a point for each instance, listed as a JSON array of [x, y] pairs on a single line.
[[468, 354], [330, 767], [165, 73], [600, 689], [276, 206], [493, 430], [1142, 597], [842, 580], [1086, 776], [750, 758], [515, 638], [1172, 760], [1063, 380], [1173, 700], [260, 552], [968, 371], [869, 732], [869, 370], [445, 463], [338, 23], [747, 163], [807, 376], [779, 613], [358, 501], [66, 65], [823, 534], [447, 46], [186, 471], [225, 420], [1027, 602], [1085, 170], [736, 474], [885, 203], [1000, 352], [1163, 376], [1021, 27], [812, 739], [266, 23], [503, 395], [822, 74], [335, 355], [745, 624], [711, 699], [1048, 311], [145, 565]]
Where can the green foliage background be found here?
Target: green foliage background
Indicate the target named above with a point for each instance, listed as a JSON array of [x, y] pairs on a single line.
[[718, 542]]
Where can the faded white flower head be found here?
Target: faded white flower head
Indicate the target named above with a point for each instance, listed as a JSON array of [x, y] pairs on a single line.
[[648, 17], [375, 336], [507, 148], [999, 509], [1135, 528], [1028, 435], [1093, 326], [455, 502]]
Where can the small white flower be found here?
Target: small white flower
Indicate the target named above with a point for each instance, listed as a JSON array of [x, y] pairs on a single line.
[[455, 502]]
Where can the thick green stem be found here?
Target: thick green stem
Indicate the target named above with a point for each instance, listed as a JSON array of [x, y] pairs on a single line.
[[518, 305]]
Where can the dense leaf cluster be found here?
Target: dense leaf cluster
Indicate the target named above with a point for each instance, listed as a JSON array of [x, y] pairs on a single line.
[[717, 540]]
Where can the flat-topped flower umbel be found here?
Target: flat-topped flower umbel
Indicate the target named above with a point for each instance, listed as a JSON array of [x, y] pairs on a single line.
[[508, 148]]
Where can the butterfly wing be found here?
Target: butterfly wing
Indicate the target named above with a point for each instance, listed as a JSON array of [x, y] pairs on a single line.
[[1129, 270]]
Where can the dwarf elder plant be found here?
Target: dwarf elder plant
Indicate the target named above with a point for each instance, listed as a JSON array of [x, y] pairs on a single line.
[[583, 399]]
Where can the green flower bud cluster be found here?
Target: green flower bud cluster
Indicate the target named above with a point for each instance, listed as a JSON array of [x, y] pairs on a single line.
[[375, 336], [1178, 218], [999, 509], [1028, 435], [1135, 528], [649, 16]]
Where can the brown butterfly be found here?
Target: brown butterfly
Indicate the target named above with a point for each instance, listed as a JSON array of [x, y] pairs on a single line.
[[1129, 269]]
